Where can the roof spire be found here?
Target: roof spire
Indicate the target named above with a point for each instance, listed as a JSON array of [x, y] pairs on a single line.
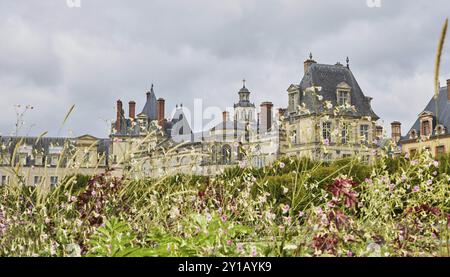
[[310, 55], [348, 62], [243, 81]]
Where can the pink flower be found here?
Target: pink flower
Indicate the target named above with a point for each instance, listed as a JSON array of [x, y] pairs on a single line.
[[436, 164], [239, 247], [349, 254], [285, 208], [223, 218], [254, 252], [416, 189]]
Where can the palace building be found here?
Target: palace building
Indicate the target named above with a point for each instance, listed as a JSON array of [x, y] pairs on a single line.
[[431, 131], [328, 117]]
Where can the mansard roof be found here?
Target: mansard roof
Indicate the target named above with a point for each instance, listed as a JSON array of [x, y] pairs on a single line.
[[330, 78], [439, 107]]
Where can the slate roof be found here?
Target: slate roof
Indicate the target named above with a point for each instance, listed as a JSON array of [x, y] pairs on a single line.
[[150, 105], [44, 144], [329, 77], [443, 112]]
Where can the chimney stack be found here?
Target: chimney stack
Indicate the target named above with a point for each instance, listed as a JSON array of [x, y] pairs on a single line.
[[265, 120], [396, 129], [225, 116], [132, 110], [448, 89], [308, 63], [160, 111], [119, 116]]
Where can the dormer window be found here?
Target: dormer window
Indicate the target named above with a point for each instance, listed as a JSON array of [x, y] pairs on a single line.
[[440, 130], [426, 124], [413, 134], [343, 97]]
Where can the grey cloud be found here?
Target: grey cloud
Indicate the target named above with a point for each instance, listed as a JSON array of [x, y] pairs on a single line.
[[52, 56]]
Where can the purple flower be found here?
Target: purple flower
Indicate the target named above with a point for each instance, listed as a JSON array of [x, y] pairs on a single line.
[[416, 189], [429, 182], [282, 165], [239, 247], [223, 218]]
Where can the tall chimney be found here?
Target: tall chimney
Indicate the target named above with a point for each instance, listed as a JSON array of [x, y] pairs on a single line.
[[132, 110], [396, 129], [265, 117], [160, 111], [448, 89], [225, 116], [119, 116]]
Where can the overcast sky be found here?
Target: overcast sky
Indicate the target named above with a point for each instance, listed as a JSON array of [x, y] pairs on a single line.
[[53, 56]]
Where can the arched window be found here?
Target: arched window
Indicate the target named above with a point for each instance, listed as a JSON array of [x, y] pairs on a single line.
[[226, 154]]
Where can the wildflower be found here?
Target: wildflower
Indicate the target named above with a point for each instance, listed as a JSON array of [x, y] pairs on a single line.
[[416, 189], [208, 217], [254, 252], [436, 164], [349, 253], [429, 182], [414, 163], [174, 212], [239, 247], [282, 165], [403, 178], [326, 142], [223, 218], [270, 216], [285, 208], [73, 199], [242, 164], [285, 190], [301, 214], [229, 242]]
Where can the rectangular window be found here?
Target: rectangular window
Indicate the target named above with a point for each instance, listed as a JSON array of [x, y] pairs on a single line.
[[37, 180], [345, 133], [343, 98], [326, 131], [440, 151], [426, 128], [294, 137], [54, 160], [86, 158], [364, 133], [23, 159], [327, 157], [5, 180], [38, 160], [53, 181]]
